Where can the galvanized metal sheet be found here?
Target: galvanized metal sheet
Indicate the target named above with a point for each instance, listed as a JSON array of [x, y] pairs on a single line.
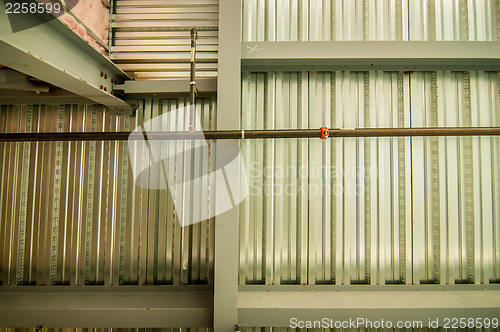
[[452, 20], [71, 214], [278, 20], [377, 210], [429, 208]]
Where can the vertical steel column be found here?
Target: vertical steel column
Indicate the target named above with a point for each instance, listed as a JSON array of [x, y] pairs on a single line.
[[228, 117]]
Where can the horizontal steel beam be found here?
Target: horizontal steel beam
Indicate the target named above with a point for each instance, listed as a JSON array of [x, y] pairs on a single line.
[[159, 88], [55, 96], [279, 306], [370, 55], [55, 54], [106, 307], [14, 80], [250, 134]]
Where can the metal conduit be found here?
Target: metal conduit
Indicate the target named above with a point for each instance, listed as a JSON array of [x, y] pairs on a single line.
[[251, 134]]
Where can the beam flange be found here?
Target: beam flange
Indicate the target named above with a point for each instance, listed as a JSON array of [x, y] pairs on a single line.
[[106, 307], [370, 55], [276, 306], [55, 54]]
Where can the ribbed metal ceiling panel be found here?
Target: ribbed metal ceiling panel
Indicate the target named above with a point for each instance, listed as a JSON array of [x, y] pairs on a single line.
[[377, 210], [151, 39], [315, 20], [71, 213]]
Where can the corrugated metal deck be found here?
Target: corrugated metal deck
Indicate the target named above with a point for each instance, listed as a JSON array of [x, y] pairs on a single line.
[[317, 20], [71, 213], [151, 39], [377, 210], [371, 211]]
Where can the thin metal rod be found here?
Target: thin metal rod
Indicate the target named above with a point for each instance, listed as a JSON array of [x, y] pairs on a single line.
[[250, 134], [192, 79]]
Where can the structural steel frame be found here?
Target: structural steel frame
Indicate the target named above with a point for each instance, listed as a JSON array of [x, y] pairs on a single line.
[[227, 304], [55, 54], [370, 55], [103, 306], [54, 96], [228, 117], [276, 305], [165, 88]]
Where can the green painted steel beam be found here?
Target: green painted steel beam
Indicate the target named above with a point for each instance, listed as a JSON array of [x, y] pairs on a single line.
[[56, 96], [55, 54], [278, 306], [228, 117], [106, 307], [166, 87], [370, 55]]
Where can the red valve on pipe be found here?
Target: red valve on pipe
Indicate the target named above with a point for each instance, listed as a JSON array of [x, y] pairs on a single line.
[[325, 132]]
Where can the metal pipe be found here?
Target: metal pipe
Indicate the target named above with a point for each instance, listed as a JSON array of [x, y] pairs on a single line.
[[250, 134], [192, 79]]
